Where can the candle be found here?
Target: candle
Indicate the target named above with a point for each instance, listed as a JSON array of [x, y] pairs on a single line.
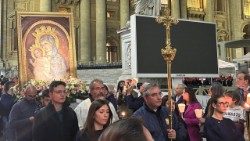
[[198, 113], [123, 114], [181, 107], [248, 99], [167, 121]]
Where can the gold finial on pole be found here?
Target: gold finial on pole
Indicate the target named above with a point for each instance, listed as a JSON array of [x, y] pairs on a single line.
[[168, 52]]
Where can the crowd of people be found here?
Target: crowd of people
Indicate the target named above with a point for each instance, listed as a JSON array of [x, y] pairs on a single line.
[[134, 111], [225, 80]]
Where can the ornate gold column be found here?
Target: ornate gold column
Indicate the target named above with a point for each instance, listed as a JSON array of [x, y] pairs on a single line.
[[85, 32], [183, 4], [124, 12], [45, 5], [175, 8], [101, 31]]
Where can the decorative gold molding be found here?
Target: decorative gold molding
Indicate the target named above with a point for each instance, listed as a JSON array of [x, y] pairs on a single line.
[[196, 13]]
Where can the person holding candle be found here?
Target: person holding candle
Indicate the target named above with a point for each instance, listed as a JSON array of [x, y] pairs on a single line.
[[178, 98], [218, 128], [178, 93], [99, 117], [178, 124], [189, 117]]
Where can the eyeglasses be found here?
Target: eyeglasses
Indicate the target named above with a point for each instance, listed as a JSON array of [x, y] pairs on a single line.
[[223, 103]]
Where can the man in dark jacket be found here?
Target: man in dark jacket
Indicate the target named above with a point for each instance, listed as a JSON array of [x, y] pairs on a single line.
[[22, 114], [134, 102], [7, 100], [57, 121], [154, 116]]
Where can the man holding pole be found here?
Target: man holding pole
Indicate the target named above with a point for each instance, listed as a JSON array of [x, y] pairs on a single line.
[[155, 116]]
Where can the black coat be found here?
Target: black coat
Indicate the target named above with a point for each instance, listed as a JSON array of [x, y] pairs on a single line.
[[49, 125], [221, 130]]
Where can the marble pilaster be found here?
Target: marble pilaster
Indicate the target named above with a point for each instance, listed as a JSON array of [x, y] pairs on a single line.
[[183, 4], [175, 8], [235, 25], [124, 12], [209, 10], [101, 24], [85, 32]]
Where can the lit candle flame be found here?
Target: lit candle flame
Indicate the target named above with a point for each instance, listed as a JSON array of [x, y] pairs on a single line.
[[123, 114]]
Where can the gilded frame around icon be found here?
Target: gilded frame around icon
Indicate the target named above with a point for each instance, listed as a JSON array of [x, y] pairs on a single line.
[[35, 59]]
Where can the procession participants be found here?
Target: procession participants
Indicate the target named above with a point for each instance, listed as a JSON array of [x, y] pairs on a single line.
[[218, 128], [45, 98], [178, 124], [215, 89], [130, 129], [110, 96], [99, 117], [7, 101], [96, 88], [242, 83], [154, 115], [235, 112], [135, 102], [22, 114], [57, 121], [189, 116], [178, 98]]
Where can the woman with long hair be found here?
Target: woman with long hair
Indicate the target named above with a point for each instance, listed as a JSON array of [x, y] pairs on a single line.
[[99, 117], [120, 86], [215, 89], [189, 116], [218, 128]]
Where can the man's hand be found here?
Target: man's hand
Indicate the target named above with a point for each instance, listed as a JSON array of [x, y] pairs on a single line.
[[171, 134], [201, 120]]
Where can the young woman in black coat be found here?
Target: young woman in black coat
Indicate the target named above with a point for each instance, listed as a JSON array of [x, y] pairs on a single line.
[[99, 117]]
